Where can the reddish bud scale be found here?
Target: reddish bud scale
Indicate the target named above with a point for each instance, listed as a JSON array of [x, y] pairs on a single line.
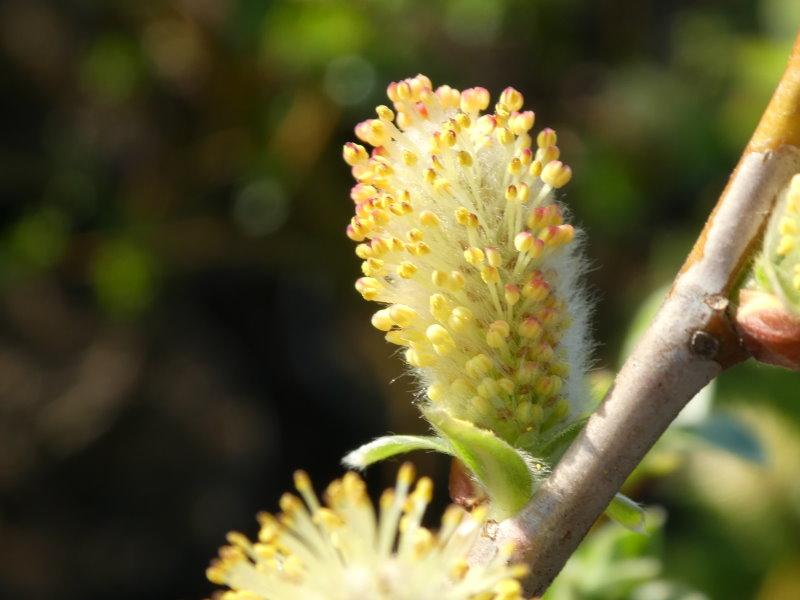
[[770, 332]]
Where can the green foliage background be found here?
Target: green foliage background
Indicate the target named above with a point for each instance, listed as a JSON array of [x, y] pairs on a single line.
[[178, 329]]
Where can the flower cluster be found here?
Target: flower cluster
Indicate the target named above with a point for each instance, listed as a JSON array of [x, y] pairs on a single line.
[[462, 240], [341, 551], [768, 315], [787, 247]]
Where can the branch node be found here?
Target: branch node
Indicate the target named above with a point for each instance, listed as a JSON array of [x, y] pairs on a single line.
[[704, 344]]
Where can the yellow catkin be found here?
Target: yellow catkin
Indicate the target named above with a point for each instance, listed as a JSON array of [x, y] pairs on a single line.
[[457, 222], [298, 554]]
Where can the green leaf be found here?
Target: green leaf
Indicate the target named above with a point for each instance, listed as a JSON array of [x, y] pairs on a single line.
[[627, 513], [390, 445], [503, 471], [552, 446]]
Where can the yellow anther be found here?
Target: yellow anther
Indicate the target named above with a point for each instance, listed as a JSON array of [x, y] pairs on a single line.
[[290, 503], [523, 241], [424, 490], [506, 385], [302, 481], [403, 90], [511, 193], [460, 318], [490, 274], [521, 122], [438, 335], [511, 293], [419, 359], [424, 542], [509, 587], [488, 388], [354, 154], [501, 327], [530, 328], [541, 352], [464, 158], [504, 135], [441, 184], [496, 334], [373, 131], [785, 246], [459, 569], [486, 125], [462, 216], [439, 307], [406, 269], [218, 575], [526, 373], [478, 366], [523, 192], [355, 232], [788, 226], [363, 251], [463, 121], [372, 266], [405, 475], [535, 169], [440, 279], [473, 256], [556, 174], [395, 244], [238, 539], [428, 219], [448, 97], [328, 519], [414, 235], [493, 257], [547, 154], [457, 280], [384, 113], [511, 99], [566, 233], [547, 137], [418, 248], [409, 158], [474, 99], [368, 287], [402, 315]]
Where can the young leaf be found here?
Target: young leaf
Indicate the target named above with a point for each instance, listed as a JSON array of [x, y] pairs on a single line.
[[503, 471], [627, 513], [390, 445]]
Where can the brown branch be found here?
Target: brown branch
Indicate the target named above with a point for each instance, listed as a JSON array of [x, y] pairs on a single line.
[[689, 342]]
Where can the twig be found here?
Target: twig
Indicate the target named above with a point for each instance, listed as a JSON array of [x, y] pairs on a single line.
[[689, 342]]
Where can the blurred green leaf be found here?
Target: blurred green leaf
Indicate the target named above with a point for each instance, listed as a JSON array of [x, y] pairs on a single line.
[[309, 34], [727, 433], [112, 68], [38, 240], [123, 277]]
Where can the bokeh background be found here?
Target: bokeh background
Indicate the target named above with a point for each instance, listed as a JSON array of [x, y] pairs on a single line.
[[178, 325]]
